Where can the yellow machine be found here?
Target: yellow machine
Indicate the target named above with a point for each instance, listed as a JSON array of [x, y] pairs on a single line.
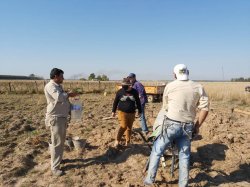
[[154, 92]]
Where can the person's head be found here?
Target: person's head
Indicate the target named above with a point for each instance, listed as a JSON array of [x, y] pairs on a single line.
[[132, 77], [57, 75], [126, 84], [181, 72]]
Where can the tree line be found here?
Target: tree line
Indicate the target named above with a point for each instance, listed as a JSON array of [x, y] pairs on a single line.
[[103, 77], [241, 79], [91, 77]]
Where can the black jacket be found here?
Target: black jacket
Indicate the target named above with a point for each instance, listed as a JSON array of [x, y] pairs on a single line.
[[127, 101]]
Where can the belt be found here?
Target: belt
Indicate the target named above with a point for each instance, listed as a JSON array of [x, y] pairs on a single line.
[[178, 121]]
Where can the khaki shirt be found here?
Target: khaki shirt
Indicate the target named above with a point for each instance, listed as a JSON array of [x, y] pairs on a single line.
[[182, 98], [57, 100]]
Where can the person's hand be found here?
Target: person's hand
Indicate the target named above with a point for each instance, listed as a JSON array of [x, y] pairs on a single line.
[[113, 114], [72, 94], [196, 129]]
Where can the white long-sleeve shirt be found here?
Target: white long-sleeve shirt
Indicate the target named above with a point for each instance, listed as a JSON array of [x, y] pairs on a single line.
[[57, 100]]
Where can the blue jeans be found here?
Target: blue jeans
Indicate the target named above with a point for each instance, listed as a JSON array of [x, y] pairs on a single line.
[[174, 132], [144, 126]]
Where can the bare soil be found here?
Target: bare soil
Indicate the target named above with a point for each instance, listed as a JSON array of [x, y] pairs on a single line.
[[220, 157]]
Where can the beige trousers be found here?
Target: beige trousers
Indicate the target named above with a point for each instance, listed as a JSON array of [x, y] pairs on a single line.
[[58, 126]]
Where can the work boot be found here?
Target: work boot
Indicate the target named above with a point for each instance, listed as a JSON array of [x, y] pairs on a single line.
[[57, 172]]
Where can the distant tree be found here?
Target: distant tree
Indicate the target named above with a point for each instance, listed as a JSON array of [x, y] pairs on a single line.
[[105, 78], [99, 78], [82, 79], [35, 77], [102, 78], [32, 75], [241, 79], [91, 76]]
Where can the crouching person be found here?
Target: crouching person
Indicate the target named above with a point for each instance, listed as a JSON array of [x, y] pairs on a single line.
[[181, 98]]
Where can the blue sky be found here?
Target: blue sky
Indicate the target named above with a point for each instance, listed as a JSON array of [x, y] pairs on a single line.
[[116, 37]]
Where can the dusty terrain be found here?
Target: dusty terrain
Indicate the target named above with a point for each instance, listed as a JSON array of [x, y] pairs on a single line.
[[220, 158]]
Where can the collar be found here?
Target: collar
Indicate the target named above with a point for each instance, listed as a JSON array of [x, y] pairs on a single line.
[[53, 82]]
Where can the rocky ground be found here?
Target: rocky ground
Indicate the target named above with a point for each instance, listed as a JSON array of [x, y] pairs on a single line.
[[220, 157]]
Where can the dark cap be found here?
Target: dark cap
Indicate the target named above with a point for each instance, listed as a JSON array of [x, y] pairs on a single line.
[[126, 81], [131, 75]]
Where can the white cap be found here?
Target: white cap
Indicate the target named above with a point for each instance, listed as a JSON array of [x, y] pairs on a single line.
[[181, 72]]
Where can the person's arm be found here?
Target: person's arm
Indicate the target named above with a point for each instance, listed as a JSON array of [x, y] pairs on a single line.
[[203, 105], [138, 102], [140, 89], [115, 103], [165, 99], [57, 94], [201, 118]]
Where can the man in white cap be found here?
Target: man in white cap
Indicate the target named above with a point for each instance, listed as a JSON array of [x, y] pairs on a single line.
[[175, 122]]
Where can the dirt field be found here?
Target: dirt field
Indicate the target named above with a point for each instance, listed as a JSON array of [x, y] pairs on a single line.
[[220, 158]]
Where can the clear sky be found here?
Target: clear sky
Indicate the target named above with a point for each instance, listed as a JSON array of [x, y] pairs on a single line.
[[116, 37]]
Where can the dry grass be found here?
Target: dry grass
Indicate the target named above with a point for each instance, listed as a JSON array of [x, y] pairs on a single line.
[[233, 92], [32, 87]]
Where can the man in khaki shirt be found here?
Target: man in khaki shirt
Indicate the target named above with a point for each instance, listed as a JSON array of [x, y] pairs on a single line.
[[58, 108], [175, 122]]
